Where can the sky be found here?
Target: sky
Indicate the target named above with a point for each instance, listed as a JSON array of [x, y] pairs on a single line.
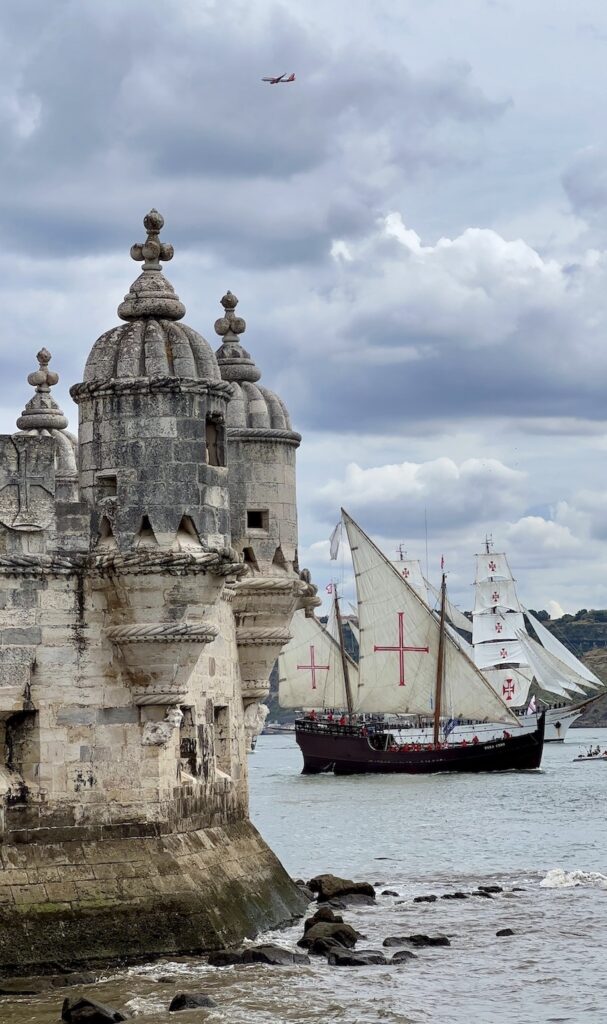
[[416, 229]]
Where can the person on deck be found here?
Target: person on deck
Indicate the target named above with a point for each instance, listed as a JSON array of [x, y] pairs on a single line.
[[343, 720], [475, 739]]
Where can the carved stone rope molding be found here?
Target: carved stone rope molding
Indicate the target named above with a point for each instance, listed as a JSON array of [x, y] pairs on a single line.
[[263, 434], [260, 636], [164, 633], [176, 563], [155, 385], [41, 565]]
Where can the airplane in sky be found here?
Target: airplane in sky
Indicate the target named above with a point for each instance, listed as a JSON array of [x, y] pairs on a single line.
[[280, 78]]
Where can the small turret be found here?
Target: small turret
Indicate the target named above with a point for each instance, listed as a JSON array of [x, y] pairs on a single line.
[[152, 420]]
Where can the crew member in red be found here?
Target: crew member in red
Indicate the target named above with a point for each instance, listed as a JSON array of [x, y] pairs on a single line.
[[343, 720], [475, 739]]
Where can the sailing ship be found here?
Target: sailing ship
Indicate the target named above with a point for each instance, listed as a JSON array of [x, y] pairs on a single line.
[[410, 663], [524, 662]]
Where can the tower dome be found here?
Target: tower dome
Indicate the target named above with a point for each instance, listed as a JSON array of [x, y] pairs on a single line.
[[252, 407], [152, 342], [43, 416]]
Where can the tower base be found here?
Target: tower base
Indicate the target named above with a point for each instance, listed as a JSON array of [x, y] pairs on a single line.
[[79, 903]]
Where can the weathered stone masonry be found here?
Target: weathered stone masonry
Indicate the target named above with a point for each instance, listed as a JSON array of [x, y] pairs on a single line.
[[148, 575]]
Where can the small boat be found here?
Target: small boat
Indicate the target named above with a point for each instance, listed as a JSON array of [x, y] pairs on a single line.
[[592, 754], [410, 662]]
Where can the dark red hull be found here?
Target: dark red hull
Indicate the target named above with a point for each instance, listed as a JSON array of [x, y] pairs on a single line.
[[345, 752]]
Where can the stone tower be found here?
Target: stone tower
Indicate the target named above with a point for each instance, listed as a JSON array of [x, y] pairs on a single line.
[[261, 448], [134, 638]]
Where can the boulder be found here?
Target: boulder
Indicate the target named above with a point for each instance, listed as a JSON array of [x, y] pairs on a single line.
[[340, 932], [322, 914], [428, 940], [190, 1001], [87, 1011], [390, 892], [225, 957], [481, 892], [454, 896], [322, 947], [402, 955], [30, 986], [309, 895], [489, 888], [396, 940], [329, 887], [425, 899], [275, 955], [504, 931], [353, 958]]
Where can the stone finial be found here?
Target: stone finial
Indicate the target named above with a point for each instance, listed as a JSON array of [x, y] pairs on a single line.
[[151, 295], [42, 411], [229, 323], [152, 250], [235, 363]]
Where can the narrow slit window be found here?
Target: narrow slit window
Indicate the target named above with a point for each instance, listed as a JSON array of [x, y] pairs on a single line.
[[215, 441]]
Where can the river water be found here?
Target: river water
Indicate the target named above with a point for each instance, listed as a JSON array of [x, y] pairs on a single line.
[[542, 832]]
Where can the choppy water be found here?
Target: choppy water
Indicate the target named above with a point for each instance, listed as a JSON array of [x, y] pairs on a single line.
[[543, 831]]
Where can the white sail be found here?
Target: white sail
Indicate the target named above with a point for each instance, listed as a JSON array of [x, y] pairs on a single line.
[[355, 630], [550, 642], [499, 652], [310, 673], [551, 673], [399, 640], [496, 594], [458, 639], [512, 684], [491, 566], [498, 626], [410, 569], [457, 618]]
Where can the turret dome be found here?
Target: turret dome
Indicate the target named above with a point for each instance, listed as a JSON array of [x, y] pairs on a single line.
[[43, 416], [151, 343], [252, 407]]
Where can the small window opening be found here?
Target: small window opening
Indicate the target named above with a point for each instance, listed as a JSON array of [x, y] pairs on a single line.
[[106, 534], [215, 441], [258, 519], [187, 534], [107, 484]]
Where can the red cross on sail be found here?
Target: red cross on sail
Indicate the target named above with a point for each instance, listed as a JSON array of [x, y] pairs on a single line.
[[499, 627], [405, 573], [495, 596], [492, 566], [503, 653], [508, 689], [401, 648], [313, 668]]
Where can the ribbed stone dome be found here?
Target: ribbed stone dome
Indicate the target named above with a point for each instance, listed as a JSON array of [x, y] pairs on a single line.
[[151, 343], [251, 406], [151, 348], [43, 416]]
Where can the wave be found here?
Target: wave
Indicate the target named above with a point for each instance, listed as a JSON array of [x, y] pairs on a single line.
[[557, 878]]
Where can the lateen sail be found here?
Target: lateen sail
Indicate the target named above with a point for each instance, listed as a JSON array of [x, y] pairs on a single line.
[[399, 638], [455, 617], [310, 668]]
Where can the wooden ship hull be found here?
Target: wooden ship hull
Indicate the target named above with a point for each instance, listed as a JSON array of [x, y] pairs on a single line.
[[343, 750]]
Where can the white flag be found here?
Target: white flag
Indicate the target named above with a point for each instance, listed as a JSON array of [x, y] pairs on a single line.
[[334, 540], [532, 708]]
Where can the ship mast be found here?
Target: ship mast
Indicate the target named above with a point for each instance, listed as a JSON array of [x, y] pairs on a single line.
[[344, 656], [441, 661]]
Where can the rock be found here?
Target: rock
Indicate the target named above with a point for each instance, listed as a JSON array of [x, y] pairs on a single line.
[[329, 887], [306, 892], [225, 957], [275, 955], [342, 933], [190, 1001], [489, 888], [504, 931], [396, 940], [322, 947], [390, 892], [354, 899], [454, 896], [402, 955], [166, 979], [428, 940], [87, 1011], [517, 888], [481, 892], [360, 958], [425, 899], [322, 914]]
